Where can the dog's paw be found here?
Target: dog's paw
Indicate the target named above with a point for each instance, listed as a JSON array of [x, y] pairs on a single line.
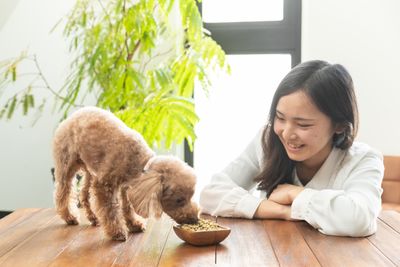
[[136, 226], [120, 236], [93, 221], [71, 220]]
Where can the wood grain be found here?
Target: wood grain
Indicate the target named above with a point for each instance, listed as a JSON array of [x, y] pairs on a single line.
[[43, 248], [247, 245], [391, 218], [342, 251], [88, 247], [145, 249], [15, 218], [15, 235], [178, 253], [289, 245], [38, 237], [386, 240]]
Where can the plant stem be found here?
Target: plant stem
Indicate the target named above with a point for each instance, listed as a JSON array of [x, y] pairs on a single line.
[[47, 85], [105, 11], [143, 68]]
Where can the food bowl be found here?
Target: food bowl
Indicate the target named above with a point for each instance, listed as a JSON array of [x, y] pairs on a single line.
[[202, 237]]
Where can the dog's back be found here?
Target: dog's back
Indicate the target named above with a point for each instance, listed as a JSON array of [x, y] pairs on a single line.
[[98, 140]]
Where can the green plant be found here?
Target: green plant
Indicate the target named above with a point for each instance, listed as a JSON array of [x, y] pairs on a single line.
[[119, 58]]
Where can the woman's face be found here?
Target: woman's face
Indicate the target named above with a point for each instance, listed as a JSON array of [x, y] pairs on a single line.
[[305, 132]]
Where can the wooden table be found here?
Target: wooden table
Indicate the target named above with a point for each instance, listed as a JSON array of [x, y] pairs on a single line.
[[38, 237]]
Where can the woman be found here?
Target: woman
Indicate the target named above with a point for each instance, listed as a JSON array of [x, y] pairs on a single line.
[[304, 161]]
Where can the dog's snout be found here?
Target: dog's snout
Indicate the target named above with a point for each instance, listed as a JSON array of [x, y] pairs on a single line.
[[192, 220], [187, 220], [189, 214]]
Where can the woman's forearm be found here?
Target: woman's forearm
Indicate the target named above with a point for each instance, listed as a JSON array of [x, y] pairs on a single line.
[[269, 209]]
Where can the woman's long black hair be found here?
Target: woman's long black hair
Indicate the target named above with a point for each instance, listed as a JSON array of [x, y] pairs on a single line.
[[330, 87]]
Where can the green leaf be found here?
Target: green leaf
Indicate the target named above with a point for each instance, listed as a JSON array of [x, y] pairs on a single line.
[[12, 107], [84, 17], [14, 73], [25, 104], [119, 56], [31, 101], [3, 111]]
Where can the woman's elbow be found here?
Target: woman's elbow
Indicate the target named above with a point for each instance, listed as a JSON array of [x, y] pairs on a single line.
[[204, 201], [356, 225], [361, 229]]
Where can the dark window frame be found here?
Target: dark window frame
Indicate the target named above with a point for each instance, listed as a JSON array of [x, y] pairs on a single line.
[[267, 37], [4, 213]]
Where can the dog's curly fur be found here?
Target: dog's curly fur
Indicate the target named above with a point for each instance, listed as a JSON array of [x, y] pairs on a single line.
[[123, 178]]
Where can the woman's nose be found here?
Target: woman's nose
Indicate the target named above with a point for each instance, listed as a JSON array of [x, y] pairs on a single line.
[[289, 134]]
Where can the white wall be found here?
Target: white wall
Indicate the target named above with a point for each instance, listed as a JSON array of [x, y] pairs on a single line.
[[25, 153], [7, 8], [364, 36]]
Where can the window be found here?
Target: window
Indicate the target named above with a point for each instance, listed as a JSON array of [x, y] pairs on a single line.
[[260, 53], [241, 11]]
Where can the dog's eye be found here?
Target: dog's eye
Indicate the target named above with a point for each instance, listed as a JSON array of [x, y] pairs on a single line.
[[180, 200], [165, 190]]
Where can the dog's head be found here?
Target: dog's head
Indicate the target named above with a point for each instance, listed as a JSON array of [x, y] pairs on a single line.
[[173, 184], [178, 184]]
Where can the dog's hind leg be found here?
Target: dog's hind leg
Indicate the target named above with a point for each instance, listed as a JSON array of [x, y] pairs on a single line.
[[85, 198], [64, 200], [134, 222], [108, 209]]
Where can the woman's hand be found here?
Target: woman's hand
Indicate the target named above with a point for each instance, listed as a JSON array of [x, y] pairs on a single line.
[[285, 193], [271, 210], [277, 206]]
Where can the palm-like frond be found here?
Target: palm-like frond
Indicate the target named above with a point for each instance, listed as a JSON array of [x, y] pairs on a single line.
[[118, 56]]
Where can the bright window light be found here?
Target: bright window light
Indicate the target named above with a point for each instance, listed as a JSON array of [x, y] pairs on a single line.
[[236, 108], [242, 11]]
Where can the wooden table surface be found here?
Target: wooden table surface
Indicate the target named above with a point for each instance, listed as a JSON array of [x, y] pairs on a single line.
[[38, 237]]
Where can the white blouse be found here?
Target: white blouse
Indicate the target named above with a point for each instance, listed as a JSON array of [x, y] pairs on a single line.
[[343, 198]]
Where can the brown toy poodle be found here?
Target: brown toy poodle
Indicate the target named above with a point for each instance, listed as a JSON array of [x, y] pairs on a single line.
[[123, 178]]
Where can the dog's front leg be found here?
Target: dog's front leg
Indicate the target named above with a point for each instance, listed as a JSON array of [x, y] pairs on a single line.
[[134, 222], [108, 210]]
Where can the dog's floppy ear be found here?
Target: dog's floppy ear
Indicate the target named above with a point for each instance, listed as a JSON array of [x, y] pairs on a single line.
[[143, 193]]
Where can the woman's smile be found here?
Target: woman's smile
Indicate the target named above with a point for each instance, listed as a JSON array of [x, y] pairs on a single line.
[[305, 132], [293, 147]]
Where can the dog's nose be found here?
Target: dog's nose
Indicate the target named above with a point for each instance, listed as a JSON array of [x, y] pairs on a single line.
[[192, 220], [187, 220]]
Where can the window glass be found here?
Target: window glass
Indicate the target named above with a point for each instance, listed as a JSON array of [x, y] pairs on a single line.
[[236, 108], [242, 11]]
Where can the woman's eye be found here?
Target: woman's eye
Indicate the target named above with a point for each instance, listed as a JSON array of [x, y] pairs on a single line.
[[304, 125]]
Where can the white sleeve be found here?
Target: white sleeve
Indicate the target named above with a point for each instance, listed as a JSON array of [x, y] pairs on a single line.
[[352, 211], [228, 192]]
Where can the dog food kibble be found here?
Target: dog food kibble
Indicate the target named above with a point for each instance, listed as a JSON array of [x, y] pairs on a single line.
[[202, 225]]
